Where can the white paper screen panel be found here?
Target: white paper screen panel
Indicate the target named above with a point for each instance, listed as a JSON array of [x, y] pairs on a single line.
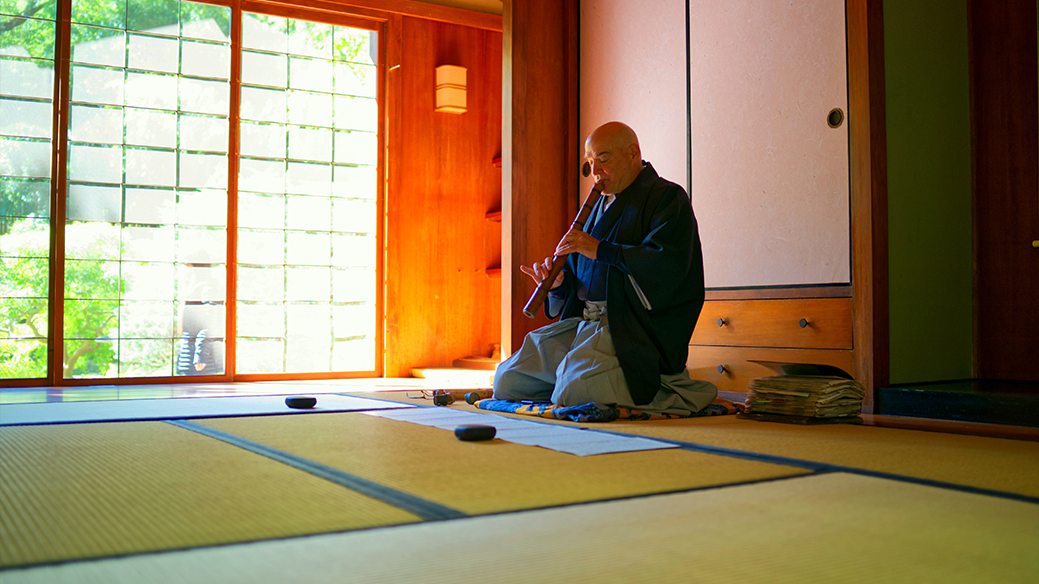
[[770, 176], [633, 70]]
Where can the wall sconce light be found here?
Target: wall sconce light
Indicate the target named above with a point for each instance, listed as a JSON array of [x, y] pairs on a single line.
[[451, 89]]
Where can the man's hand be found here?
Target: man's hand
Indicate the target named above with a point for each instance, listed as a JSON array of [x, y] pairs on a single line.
[[579, 242], [539, 271]]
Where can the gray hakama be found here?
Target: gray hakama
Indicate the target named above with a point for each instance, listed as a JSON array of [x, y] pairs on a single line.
[[573, 362]]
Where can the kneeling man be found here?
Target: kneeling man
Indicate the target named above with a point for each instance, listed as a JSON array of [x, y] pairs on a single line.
[[628, 298]]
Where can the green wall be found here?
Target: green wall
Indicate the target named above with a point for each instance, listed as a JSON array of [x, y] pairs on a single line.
[[929, 190]]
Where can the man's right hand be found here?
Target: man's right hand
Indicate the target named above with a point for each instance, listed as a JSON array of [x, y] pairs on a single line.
[[540, 270]]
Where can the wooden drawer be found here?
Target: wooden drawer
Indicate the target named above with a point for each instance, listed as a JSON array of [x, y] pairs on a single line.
[[776, 323], [737, 371]]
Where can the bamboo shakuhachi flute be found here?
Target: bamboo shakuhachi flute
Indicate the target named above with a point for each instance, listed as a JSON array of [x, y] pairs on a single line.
[[541, 292]]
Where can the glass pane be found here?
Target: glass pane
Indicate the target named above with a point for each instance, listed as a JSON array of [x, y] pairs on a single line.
[[153, 53], [94, 203], [355, 46], [103, 164], [23, 359], [98, 46], [100, 86], [110, 13], [310, 74], [354, 181], [145, 358], [354, 215], [261, 320], [356, 147], [261, 175], [156, 16], [308, 179], [204, 97], [353, 284], [203, 170], [150, 281], [310, 284], [356, 113], [261, 210], [262, 140], [203, 133], [261, 283], [151, 91], [267, 33], [90, 241], [205, 21], [22, 118], [96, 124], [311, 39], [25, 158], [311, 144], [261, 247], [147, 198], [14, 7], [310, 109], [308, 213], [264, 69], [20, 198], [151, 128], [203, 207], [260, 355], [154, 206], [264, 105], [151, 167], [205, 60], [25, 78], [354, 79]]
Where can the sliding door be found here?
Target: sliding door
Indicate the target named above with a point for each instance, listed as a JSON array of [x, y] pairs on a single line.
[[217, 194]]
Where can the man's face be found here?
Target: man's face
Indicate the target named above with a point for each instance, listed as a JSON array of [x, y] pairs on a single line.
[[611, 165]]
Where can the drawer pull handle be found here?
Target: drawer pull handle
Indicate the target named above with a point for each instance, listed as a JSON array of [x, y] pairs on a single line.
[[803, 323], [722, 369], [721, 322]]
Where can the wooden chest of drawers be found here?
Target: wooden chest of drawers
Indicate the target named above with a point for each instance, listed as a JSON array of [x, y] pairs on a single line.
[[732, 333]]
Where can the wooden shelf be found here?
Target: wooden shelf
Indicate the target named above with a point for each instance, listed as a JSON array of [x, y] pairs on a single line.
[[494, 216], [493, 272], [496, 162]]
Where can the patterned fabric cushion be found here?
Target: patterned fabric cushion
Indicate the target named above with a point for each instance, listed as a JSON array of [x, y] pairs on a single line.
[[595, 412]]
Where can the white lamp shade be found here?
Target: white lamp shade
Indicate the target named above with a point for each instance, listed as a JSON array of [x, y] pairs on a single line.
[[450, 92]]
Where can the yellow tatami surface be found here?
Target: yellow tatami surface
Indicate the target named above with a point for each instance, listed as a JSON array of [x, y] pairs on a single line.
[[487, 477], [158, 502], [822, 528]]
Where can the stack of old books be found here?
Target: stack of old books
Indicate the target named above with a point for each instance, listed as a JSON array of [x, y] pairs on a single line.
[[804, 394]]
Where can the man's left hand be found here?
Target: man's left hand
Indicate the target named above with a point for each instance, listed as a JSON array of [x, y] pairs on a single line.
[[579, 242]]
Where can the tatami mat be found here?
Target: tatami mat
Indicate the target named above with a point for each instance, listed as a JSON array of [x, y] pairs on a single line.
[[486, 477], [823, 528], [981, 462], [1010, 466], [88, 490], [167, 409]]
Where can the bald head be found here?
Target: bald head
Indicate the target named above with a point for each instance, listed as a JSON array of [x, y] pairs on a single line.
[[613, 151]]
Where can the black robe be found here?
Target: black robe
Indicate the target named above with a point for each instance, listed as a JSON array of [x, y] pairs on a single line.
[[650, 233]]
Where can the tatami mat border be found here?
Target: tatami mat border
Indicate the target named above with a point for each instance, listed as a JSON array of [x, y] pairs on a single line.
[[427, 510]]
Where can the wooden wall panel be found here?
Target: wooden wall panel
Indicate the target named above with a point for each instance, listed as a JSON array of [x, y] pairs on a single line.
[[540, 188], [440, 303]]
